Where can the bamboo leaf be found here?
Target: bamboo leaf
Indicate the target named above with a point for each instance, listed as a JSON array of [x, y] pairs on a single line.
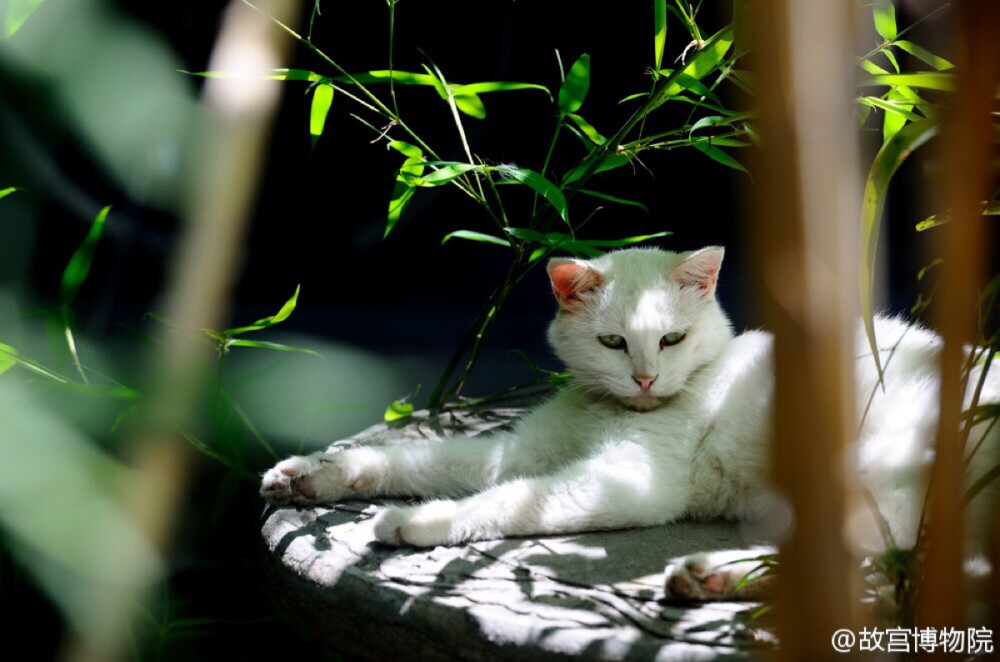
[[286, 310], [618, 243], [717, 155], [475, 236], [587, 128], [891, 106], [470, 104], [7, 191], [886, 162], [402, 192], [445, 174], [611, 198], [924, 55], [610, 163], [884, 15], [540, 185], [321, 102], [497, 86], [78, 268], [872, 68], [574, 89], [659, 32], [926, 80], [703, 63], [239, 342]]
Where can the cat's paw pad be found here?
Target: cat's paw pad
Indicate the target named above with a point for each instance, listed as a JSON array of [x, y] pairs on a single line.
[[310, 479], [427, 525], [710, 576]]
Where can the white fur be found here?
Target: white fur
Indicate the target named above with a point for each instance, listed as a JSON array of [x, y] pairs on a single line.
[[605, 453]]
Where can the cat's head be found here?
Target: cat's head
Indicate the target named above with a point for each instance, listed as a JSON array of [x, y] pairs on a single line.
[[633, 325]]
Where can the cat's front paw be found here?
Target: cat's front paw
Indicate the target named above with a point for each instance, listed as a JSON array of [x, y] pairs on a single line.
[[311, 479], [714, 576], [427, 525]]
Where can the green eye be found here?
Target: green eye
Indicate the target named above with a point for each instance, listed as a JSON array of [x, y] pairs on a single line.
[[672, 339], [612, 341]]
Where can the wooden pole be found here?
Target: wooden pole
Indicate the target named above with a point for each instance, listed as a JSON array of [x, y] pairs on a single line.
[[806, 197]]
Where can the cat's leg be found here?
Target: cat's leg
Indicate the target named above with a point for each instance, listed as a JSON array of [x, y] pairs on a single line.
[[618, 488], [719, 575], [450, 467]]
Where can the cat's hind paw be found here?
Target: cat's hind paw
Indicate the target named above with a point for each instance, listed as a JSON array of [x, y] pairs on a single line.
[[725, 575], [308, 480], [427, 525]]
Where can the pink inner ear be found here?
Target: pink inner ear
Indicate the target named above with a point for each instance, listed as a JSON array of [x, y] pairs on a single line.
[[570, 280], [701, 270]]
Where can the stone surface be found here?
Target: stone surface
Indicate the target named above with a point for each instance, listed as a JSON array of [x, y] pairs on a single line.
[[595, 595]]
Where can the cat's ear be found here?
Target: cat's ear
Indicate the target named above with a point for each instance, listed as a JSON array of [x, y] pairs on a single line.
[[700, 270], [570, 279]]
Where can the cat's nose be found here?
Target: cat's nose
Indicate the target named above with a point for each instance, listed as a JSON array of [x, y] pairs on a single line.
[[644, 381]]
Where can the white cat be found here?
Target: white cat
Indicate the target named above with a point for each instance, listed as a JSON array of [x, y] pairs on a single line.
[[667, 416]]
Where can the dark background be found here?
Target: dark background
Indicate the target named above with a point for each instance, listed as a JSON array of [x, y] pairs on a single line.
[[320, 217]]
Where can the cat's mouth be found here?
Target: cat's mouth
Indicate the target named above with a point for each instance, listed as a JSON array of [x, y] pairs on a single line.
[[644, 402]]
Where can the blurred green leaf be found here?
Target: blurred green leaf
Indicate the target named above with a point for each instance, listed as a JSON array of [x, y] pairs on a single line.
[[924, 55], [990, 208], [17, 12], [885, 165], [321, 102], [277, 318], [542, 186], [659, 32], [78, 268], [398, 410], [936, 262], [475, 236], [574, 89], [7, 191], [239, 342], [616, 200], [62, 513], [884, 15], [8, 358]]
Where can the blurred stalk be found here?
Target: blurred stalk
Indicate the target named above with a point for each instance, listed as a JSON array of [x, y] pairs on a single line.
[[806, 196], [230, 145], [967, 139]]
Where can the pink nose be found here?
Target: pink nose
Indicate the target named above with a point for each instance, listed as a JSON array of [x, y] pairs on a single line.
[[644, 381]]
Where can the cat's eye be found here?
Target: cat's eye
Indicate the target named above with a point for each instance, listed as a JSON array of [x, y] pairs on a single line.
[[612, 341], [672, 339]]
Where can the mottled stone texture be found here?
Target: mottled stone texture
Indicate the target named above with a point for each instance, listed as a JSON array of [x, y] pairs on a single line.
[[587, 596]]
